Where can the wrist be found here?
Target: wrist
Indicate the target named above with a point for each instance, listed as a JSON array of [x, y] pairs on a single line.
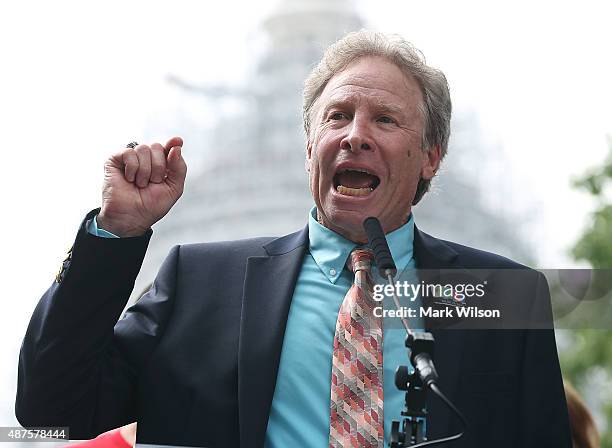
[[119, 227]]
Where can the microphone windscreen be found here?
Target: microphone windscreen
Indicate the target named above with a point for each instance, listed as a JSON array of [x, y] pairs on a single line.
[[378, 244]]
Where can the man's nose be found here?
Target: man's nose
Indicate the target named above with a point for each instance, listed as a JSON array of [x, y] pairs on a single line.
[[358, 136]]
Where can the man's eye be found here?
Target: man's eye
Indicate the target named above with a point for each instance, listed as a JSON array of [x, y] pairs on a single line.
[[385, 119], [337, 116]]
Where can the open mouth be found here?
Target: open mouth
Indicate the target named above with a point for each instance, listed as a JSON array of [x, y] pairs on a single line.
[[355, 182]]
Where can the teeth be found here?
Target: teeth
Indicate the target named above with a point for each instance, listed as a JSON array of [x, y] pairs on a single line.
[[353, 191], [359, 170]]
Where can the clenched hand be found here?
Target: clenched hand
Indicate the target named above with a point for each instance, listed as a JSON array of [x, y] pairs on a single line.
[[140, 186]]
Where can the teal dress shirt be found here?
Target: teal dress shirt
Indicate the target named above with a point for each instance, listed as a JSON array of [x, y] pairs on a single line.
[[300, 411]]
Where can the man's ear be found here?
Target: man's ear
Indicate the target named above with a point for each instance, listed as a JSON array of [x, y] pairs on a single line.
[[431, 162], [308, 160]]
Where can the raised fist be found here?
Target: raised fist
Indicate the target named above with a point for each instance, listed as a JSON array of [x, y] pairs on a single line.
[[141, 185]]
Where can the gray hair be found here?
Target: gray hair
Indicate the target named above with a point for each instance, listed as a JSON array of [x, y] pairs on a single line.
[[435, 108]]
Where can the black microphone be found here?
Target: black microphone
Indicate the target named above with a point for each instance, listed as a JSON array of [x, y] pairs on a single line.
[[378, 244], [421, 343], [384, 260]]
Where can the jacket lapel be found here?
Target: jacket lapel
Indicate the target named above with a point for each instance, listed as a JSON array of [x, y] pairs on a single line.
[[431, 255], [268, 289]]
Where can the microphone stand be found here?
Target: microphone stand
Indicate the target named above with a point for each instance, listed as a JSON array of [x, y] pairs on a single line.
[[420, 344], [412, 430]]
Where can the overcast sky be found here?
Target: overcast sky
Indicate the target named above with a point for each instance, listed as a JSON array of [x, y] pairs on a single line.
[[78, 81]]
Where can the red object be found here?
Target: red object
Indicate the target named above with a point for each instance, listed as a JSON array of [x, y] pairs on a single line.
[[109, 439]]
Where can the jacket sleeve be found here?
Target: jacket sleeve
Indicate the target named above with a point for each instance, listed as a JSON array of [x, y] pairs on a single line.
[[543, 419], [78, 365]]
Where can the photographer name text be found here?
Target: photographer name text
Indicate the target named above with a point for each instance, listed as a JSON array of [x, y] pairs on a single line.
[[465, 312]]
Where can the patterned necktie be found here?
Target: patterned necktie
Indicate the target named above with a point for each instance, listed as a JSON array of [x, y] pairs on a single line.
[[356, 418]]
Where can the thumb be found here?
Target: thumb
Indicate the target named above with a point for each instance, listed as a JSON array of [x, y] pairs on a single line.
[[177, 168], [174, 141]]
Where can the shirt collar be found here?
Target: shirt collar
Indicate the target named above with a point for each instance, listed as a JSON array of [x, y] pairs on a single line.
[[330, 250]]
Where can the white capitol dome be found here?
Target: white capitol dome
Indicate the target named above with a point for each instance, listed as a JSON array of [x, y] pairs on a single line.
[[254, 184]]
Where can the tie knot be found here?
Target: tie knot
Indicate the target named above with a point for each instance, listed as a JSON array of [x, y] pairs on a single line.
[[360, 260]]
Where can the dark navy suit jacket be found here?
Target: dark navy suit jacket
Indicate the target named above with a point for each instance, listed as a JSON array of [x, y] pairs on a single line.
[[195, 360]]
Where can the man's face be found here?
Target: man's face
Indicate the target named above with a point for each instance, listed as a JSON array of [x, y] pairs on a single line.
[[364, 153]]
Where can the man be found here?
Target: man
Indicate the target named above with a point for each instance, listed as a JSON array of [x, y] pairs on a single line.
[[241, 343]]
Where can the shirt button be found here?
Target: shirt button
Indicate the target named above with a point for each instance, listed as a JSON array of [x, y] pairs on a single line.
[[332, 271]]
